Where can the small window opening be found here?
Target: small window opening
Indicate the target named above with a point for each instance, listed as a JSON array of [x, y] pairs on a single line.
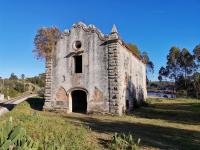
[[78, 44], [78, 64]]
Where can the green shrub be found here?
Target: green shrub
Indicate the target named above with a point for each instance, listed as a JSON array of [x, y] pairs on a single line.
[[124, 142], [15, 138], [51, 130], [10, 92]]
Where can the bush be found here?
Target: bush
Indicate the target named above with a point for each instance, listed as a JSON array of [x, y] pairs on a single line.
[[41, 92], [10, 92], [19, 87], [15, 138], [124, 142]]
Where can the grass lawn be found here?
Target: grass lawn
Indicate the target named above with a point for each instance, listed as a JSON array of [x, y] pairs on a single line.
[[163, 124]]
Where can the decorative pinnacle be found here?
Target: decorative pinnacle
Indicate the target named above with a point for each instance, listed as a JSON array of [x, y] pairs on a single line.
[[114, 29]]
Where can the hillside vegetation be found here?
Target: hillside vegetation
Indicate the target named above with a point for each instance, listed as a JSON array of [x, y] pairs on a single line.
[[14, 86]]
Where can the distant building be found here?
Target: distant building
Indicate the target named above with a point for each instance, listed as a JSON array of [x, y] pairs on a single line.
[[91, 72]]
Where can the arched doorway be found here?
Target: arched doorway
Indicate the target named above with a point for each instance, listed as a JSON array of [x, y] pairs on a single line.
[[79, 101]]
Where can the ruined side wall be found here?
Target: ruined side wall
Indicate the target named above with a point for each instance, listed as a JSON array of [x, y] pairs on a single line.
[[94, 78], [132, 79]]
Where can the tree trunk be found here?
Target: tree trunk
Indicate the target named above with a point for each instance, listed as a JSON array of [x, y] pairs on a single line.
[[175, 79]]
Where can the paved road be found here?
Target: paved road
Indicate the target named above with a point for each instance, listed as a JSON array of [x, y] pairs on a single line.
[[8, 105]]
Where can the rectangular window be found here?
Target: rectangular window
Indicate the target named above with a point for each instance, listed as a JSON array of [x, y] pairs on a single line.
[[78, 64]]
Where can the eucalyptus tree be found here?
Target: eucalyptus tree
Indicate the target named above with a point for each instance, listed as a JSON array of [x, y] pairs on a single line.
[[22, 76], [197, 52], [181, 67], [23, 79], [173, 64], [172, 69], [149, 64], [147, 61], [197, 55], [163, 73], [187, 64], [13, 77], [196, 83]]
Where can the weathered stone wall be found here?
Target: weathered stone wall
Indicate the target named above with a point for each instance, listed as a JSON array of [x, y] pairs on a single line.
[[132, 79], [93, 79], [112, 77], [48, 84]]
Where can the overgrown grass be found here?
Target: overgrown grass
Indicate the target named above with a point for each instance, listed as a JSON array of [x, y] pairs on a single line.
[[48, 128], [163, 124]]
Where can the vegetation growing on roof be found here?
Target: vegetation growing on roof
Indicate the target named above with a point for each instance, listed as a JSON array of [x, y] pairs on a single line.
[[45, 41], [135, 50], [143, 56]]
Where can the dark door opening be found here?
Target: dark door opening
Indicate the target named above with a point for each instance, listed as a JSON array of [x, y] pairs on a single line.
[[78, 64], [127, 105], [79, 101]]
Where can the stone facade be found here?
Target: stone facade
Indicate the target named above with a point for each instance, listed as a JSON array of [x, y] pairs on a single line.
[[93, 72]]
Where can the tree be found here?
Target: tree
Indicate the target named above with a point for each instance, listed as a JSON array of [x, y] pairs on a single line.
[[196, 83], [2, 84], [163, 72], [38, 80], [13, 77], [197, 52], [182, 68], [147, 61], [187, 65], [172, 69], [45, 41], [186, 61], [19, 87], [23, 76], [173, 65]]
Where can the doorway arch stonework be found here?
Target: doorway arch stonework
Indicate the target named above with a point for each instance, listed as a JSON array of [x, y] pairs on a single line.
[[70, 98]]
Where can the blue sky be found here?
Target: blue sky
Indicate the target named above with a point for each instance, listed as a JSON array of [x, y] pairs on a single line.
[[154, 25]]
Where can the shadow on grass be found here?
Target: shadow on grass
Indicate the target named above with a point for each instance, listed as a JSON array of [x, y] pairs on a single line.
[[36, 103], [151, 135], [7, 106], [177, 113]]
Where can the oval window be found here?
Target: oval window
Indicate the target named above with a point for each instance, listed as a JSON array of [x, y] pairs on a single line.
[[77, 44]]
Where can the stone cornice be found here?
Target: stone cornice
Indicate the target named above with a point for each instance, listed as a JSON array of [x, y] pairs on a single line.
[[89, 28]]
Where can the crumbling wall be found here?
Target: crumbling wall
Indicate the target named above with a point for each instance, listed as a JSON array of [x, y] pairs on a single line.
[[111, 76], [94, 76], [133, 79]]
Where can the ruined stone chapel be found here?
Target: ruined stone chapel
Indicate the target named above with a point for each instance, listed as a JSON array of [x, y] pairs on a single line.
[[94, 73]]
